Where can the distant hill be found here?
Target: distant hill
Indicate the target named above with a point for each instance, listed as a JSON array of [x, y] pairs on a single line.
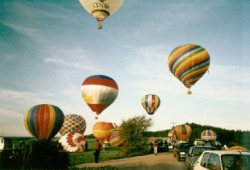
[[226, 137]]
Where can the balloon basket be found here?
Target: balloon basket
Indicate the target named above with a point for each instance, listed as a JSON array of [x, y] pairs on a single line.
[[99, 25], [189, 92]]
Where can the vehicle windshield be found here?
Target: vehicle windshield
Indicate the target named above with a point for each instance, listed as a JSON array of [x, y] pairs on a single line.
[[198, 151], [241, 162], [184, 146]]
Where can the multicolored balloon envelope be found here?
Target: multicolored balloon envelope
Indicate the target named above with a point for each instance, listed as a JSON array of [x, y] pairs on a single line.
[[99, 91], [150, 103], [73, 123], [101, 9], [189, 63], [208, 135], [115, 138], [102, 130], [182, 132], [73, 142], [44, 121]]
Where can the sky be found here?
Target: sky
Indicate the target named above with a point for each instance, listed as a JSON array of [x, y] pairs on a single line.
[[48, 48]]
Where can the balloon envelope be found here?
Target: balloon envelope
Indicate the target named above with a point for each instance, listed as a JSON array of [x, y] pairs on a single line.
[[115, 138], [189, 63], [73, 123], [99, 91], [102, 130], [101, 9], [73, 142], [182, 132], [43, 121], [150, 103], [208, 135]]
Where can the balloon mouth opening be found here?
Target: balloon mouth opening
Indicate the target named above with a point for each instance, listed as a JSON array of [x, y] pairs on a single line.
[[100, 16]]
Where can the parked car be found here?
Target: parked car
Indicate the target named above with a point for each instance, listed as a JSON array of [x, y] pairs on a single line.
[[193, 154], [223, 160], [181, 149], [162, 145]]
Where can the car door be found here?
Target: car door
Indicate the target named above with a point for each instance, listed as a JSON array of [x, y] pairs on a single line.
[[201, 163]]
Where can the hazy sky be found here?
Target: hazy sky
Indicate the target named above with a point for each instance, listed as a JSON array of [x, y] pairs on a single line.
[[48, 47]]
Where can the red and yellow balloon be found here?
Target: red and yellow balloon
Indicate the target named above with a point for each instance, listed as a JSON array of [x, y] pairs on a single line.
[[189, 63], [99, 92], [43, 121]]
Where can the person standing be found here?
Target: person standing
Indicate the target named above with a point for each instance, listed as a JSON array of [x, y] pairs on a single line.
[[97, 149], [155, 146]]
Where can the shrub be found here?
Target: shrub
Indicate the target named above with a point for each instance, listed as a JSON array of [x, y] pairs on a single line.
[[45, 155]]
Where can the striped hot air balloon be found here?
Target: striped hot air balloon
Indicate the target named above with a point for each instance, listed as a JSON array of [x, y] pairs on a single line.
[[182, 132], [115, 138], [73, 142], [150, 103], [43, 121], [102, 130], [189, 63], [99, 91], [208, 135], [73, 123]]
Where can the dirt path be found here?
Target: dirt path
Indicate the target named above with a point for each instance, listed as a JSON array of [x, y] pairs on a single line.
[[160, 161]]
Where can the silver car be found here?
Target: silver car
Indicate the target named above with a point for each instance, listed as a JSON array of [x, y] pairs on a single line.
[[223, 160], [193, 154]]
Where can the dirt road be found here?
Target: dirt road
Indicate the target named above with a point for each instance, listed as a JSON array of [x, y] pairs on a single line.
[[161, 161]]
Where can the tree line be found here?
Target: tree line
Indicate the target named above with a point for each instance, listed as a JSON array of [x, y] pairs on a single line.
[[224, 136]]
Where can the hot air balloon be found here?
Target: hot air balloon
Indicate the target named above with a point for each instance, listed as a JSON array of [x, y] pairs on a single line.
[[99, 91], [150, 103], [101, 9], [102, 130], [189, 63], [43, 121], [73, 123], [115, 138], [182, 132], [208, 135], [73, 142]]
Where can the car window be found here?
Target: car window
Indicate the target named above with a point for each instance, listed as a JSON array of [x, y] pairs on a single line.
[[204, 159], [213, 162], [236, 162]]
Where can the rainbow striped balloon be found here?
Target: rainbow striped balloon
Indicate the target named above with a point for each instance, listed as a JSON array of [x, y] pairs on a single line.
[[43, 121], [73, 123], [150, 103], [189, 63], [99, 91]]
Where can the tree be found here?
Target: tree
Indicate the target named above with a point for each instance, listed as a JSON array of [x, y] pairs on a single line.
[[132, 131]]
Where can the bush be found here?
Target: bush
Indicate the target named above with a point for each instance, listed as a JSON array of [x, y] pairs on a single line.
[[11, 159], [45, 155]]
